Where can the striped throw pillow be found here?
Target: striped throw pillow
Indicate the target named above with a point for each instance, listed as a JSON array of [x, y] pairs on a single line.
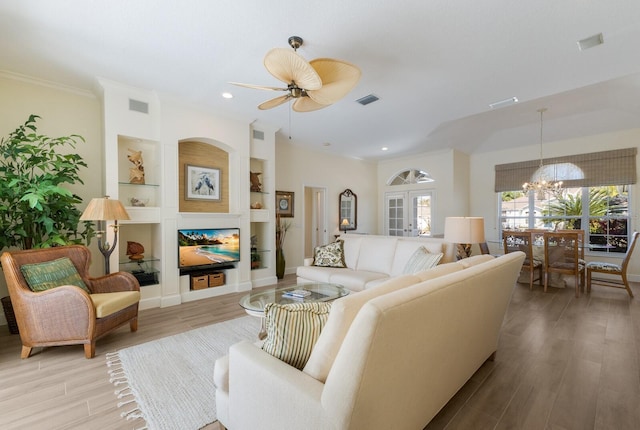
[[51, 274], [421, 260], [293, 329]]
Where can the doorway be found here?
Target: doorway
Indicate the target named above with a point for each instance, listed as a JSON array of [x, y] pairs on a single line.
[[408, 213], [315, 219]]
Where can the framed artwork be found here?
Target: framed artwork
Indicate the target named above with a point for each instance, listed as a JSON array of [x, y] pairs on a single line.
[[284, 204], [202, 183]]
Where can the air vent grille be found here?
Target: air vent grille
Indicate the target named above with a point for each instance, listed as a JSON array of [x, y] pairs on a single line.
[[259, 135], [138, 106], [367, 99]]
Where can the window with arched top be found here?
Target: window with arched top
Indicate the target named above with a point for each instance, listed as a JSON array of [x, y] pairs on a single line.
[[410, 176]]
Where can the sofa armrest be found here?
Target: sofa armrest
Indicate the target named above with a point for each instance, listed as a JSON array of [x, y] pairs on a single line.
[[308, 261], [267, 393]]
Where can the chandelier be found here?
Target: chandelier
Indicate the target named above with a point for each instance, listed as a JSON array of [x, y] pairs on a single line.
[[541, 183]]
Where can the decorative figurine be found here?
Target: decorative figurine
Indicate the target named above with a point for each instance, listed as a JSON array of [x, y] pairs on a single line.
[[138, 203], [134, 251], [254, 178], [136, 173]]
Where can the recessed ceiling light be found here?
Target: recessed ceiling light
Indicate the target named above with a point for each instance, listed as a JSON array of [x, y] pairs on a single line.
[[384, 148], [503, 103], [227, 95], [590, 42]]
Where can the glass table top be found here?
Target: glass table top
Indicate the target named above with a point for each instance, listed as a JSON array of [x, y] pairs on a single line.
[[255, 302]]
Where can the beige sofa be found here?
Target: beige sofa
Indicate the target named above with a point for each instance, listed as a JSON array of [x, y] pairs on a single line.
[[371, 260], [388, 357]]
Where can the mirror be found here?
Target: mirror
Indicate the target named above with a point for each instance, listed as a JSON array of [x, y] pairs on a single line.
[[348, 211]]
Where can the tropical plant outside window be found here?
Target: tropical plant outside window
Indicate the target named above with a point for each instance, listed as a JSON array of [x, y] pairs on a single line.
[[602, 212]]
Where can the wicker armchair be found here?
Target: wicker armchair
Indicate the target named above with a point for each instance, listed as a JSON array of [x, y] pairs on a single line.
[[68, 315]]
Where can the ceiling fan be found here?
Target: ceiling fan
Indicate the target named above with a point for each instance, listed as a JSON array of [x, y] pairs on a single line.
[[314, 85]]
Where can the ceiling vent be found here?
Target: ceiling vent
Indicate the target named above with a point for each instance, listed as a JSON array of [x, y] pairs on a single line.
[[138, 106], [367, 99], [259, 135], [590, 42]]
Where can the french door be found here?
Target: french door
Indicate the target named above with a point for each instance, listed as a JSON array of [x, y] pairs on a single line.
[[408, 213]]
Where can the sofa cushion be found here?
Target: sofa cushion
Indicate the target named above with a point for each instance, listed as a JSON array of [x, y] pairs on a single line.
[[440, 270], [293, 329], [475, 260], [405, 248], [51, 274], [351, 249], [343, 311], [330, 255], [319, 274], [376, 254], [109, 303], [356, 280], [421, 260]]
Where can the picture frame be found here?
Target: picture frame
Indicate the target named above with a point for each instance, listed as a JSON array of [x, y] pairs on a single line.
[[284, 204], [201, 183]]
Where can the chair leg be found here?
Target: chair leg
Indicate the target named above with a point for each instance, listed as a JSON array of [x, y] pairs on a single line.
[[133, 324], [531, 278], [546, 280], [626, 285], [577, 278], [90, 349], [588, 281], [540, 274], [26, 351]]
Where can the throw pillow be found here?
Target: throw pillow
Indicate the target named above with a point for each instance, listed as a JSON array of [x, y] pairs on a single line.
[[331, 255], [51, 274], [293, 329], [421, 259]]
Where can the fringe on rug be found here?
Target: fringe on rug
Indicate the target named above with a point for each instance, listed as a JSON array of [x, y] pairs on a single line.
[[117, 377]]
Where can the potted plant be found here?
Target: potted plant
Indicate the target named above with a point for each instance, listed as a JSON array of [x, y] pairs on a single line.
[[36, 210]]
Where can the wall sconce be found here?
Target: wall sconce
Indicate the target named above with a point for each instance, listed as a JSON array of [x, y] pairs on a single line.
[[101, 210], [464, 231], [344, 224]]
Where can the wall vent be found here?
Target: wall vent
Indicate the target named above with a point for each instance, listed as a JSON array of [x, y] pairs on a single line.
[[259, 135], [367, 99], [138, 106]]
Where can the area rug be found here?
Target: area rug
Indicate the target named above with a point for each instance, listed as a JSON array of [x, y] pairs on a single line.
[[169, 382]]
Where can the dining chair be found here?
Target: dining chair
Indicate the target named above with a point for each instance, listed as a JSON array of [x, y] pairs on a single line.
[[523, 241], [612, 269], [562, 255], [580, 241]]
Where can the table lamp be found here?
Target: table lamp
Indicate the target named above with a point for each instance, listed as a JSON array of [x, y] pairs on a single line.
[[464, 231], [101, 210], [344, 224]]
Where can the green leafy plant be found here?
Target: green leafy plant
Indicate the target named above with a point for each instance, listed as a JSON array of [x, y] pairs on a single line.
[[36, 210]]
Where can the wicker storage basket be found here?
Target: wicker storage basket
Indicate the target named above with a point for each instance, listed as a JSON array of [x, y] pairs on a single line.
[[9, 315]]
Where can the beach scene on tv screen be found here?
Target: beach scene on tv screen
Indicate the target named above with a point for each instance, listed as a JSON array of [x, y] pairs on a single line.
[[199, 247]]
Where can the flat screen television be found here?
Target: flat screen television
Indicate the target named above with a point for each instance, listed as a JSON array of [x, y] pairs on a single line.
[[204, 248]]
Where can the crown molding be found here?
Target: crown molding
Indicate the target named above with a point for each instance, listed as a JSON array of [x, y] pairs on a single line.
[[45, 83]]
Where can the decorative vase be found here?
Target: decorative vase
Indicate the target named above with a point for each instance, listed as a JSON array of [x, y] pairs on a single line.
[[280, 263]]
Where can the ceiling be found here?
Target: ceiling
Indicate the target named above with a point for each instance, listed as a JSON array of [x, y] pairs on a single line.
[[436, 65]]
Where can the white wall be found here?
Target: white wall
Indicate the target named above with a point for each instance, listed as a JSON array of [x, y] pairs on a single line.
[[448, 168], [297, 168]]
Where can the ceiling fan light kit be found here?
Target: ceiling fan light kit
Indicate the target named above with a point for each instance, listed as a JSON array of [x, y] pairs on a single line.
[[313, 85]]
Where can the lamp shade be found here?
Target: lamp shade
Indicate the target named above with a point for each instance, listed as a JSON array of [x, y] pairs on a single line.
[[103, 209], [464, 229], [345, 222]]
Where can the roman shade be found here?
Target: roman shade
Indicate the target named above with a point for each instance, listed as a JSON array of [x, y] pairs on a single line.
[[616, 167]]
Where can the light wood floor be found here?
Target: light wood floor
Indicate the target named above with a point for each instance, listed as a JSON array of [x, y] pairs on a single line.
[[563, 363]]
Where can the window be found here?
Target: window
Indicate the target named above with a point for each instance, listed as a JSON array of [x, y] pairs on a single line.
[[602, 212]]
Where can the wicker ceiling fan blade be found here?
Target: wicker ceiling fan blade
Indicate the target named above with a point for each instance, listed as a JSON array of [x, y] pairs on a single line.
[[338, 78], [274, 102], [258, 87], [290, 67], [305, 104]]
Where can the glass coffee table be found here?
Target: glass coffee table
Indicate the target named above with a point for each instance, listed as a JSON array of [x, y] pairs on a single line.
[[255, 302]]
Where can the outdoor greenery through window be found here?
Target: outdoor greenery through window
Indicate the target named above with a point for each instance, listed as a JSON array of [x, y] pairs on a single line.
[[602, 212]]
